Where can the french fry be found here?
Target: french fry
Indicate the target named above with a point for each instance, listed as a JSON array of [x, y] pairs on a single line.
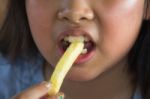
[[64, 65]]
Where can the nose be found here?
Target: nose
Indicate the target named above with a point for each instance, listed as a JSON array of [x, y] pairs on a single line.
[[76, 11]]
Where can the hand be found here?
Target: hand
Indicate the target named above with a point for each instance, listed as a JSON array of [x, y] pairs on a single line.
[[38, 91]]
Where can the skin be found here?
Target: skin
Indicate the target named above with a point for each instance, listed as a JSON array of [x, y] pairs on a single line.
[[114, 26], [112, 39]]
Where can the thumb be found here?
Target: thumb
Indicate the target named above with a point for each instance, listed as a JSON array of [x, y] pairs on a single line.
[[34, 92]]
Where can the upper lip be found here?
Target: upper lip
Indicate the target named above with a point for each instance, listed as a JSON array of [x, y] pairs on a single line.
[[74, 32]]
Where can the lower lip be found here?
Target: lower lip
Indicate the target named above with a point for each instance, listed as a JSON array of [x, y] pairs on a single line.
[[84, 57], [81, 58]]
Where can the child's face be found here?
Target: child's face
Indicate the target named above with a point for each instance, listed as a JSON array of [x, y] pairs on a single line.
[[113, 26]]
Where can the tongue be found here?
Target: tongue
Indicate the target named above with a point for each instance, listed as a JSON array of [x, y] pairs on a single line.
[[89, 46]]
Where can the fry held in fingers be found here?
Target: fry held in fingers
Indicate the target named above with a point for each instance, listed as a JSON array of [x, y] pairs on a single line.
[[65, 63]]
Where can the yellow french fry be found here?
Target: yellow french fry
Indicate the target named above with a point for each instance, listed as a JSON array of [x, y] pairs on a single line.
[[64, 65]]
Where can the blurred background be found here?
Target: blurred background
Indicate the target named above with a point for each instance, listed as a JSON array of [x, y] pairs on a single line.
[[3, 4]]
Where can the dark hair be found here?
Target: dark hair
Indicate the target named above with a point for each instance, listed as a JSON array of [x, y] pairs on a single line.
[[139, 60], [16, 41], [15, 36], [139, 56]]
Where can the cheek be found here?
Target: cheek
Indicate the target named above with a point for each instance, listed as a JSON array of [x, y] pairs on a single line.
[[41, 24], [120, 26]]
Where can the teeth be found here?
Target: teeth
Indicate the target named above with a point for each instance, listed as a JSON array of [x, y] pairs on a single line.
[[84, 51], [86, 39], [77, 39], [73, 38], [66, 38]]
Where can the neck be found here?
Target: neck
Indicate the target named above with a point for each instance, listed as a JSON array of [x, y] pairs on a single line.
[[113, 84]]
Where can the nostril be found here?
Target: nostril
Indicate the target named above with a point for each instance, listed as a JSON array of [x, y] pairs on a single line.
[[62, 16], [75, 16], [65, 19], [83, 18]]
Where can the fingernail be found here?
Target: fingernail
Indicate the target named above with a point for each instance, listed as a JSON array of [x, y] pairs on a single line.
[[47, 84], [60, 95]]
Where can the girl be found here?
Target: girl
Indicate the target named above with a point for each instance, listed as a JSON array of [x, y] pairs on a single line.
[[116, 65]]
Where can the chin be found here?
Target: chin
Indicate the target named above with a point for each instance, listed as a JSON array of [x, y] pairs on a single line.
[[80, 76]]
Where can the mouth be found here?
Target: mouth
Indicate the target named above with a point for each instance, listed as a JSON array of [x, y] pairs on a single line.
[[89, 45]]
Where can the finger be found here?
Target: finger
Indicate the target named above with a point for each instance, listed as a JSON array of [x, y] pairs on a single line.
[[60, 95], [49, 97], [34, 92]]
